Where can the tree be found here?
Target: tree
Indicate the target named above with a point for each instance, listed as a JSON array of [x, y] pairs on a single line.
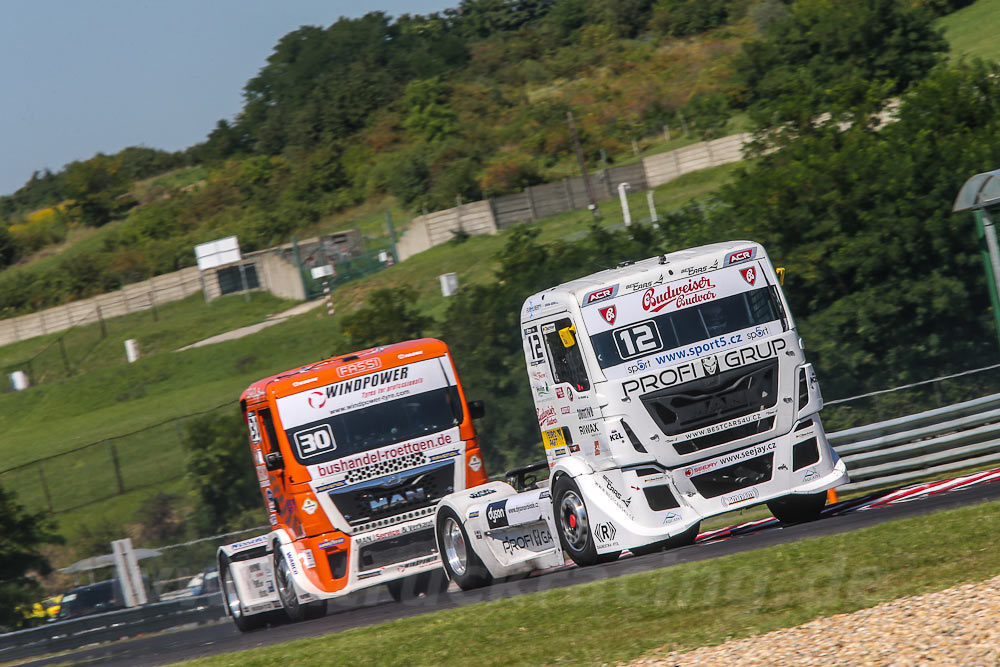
[[22, 533], [389, 316], [94, 186], [221, 469], [827, 56]]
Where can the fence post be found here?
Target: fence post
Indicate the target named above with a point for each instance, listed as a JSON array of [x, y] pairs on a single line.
[[100, 318], [117, 467], [152, 306], [569, 194], [45, 487], [531, 204], [65, 357]]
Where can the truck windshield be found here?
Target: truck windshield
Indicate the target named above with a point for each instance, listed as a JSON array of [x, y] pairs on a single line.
[[706, 321], [376, 425]]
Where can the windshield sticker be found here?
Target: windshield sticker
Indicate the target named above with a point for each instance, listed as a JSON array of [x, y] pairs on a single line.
[[362, 391]]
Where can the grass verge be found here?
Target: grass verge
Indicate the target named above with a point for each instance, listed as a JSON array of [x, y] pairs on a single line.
[[680, 607], [971, 31]]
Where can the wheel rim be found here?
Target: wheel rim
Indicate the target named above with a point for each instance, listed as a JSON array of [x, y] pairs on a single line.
[[455, 552], [232, 597], [284, 578], [573, 521]]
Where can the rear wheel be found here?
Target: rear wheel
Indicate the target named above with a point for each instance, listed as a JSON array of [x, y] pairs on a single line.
[[798, 508], [576, 535], [457, 555], [680, 540], [231, 597]]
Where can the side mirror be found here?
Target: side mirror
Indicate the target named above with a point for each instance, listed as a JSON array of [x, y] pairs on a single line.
[[477, 409], [273, 461]]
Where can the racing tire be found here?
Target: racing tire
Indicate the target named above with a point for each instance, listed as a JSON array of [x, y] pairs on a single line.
[[798, 508], [433, 583], [679, 540], [231, 598], [573, 524], [295, 611], [405, 588], [460, 560], [316, 609]]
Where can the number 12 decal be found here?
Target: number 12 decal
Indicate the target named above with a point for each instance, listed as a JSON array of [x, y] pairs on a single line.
[[638, 339]]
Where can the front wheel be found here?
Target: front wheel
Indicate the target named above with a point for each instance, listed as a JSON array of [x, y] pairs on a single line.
[[798, 508], [294, 610], [231, 597], [457, 555], [576, 535]]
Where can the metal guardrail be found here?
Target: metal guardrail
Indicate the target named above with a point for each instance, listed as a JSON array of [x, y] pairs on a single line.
[[942, 440], [109, 626]]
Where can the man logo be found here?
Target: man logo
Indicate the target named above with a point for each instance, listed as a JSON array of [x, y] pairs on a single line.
[[749, 274], [317, 400], [710, 365], [609, 314]]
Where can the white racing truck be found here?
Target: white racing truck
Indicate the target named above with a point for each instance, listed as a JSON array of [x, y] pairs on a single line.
[[667, 391]]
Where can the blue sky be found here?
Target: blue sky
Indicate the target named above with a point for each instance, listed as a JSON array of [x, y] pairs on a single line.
[[78, 77]]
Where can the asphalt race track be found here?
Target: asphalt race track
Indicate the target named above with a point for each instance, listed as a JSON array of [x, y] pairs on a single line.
[[374, 606]]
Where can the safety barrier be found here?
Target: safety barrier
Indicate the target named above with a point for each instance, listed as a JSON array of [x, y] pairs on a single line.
[[925, 444], [109, 626]]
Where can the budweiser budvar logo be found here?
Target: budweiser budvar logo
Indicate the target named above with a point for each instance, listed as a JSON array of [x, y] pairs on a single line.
[[545, 415], [694, 291]]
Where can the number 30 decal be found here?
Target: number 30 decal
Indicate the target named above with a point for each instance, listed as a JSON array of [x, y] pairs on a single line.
[[638, 339]]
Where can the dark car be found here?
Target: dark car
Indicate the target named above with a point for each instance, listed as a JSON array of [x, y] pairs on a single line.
[[95, 599]]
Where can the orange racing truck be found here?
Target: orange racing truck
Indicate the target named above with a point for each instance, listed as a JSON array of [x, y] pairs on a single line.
[[352, 454]]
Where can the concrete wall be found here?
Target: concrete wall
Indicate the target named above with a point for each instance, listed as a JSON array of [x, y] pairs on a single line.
[[132, 298], [667, 166], [427, 231]]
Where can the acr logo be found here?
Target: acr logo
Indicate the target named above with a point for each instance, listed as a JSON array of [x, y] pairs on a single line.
[[496, 514], [608, 314], [600, 295], [362, 366], [749, 274], [740, 256]]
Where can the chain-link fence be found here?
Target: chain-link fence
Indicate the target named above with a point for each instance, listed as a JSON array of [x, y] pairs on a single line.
[[104, 469]]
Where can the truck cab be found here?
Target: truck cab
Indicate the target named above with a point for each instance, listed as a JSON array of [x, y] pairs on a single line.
[[352, 454], [666, 391]]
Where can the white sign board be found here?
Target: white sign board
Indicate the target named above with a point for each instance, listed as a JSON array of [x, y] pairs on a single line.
[[217, 253], [321, 271]]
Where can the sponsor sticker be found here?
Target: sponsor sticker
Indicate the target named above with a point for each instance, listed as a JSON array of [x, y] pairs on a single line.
[[740, 256], [329, 544], [605, 533], [481, 492], [739, 497], [309, 506], [600, 295], [553, 438], [496, 514], [475, 463], [608, 314]]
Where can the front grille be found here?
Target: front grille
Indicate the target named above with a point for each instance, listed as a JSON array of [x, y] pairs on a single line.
[[402, 492], [735, 477], [714, 399], [397, 550]]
